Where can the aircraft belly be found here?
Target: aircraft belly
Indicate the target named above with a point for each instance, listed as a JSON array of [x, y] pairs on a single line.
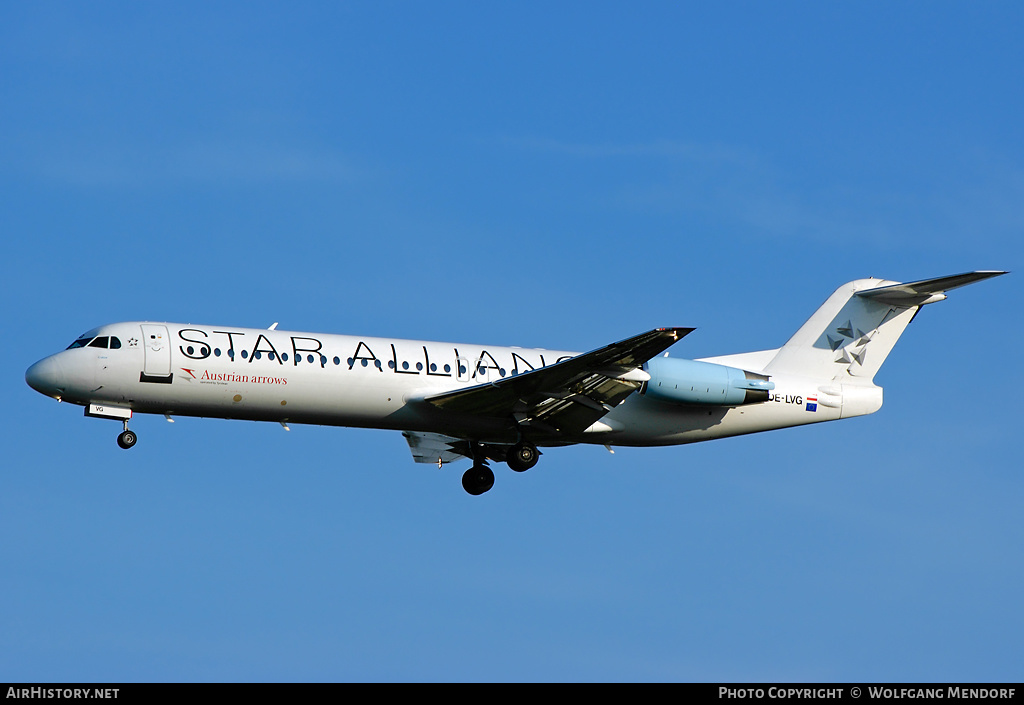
[[649, 422]]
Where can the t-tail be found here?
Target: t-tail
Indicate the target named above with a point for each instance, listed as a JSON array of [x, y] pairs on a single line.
[[850, 335]]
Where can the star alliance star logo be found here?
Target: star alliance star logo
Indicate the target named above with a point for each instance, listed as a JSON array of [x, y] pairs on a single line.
[[132, 342], [849, 351]]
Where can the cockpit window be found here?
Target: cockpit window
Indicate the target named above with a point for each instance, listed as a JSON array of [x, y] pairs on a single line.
[[80, 343], [104, 341]]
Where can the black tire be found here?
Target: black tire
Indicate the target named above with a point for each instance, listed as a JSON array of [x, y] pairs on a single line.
[[522, 456], [477, 480], [127, 439]]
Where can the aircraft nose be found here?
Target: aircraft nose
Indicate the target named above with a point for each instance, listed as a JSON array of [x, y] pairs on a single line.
[[46, 377]]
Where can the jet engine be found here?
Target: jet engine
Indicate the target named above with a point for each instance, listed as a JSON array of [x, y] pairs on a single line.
[[691, 382]]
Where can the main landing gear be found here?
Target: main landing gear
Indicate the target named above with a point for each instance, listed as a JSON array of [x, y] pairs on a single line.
[[127, 438], [522, 456], [480, 478]]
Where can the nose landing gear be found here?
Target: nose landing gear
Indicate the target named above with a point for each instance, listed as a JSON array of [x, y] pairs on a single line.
[[126, 439], [117, 413]]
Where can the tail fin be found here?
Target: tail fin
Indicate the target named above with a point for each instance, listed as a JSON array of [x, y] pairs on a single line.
[[856, 328]]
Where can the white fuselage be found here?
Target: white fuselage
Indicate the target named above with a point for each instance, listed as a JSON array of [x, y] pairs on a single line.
[[338, 380]]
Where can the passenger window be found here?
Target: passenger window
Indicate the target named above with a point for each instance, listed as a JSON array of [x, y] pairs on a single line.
[[101, 342]]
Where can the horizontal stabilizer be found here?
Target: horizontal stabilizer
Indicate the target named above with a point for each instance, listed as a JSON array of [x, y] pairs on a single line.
[[925, 291]]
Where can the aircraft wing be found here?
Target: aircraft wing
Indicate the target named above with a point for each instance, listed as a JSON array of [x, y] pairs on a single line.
[[569, 396]]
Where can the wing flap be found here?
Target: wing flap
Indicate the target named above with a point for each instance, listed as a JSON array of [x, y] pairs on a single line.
[[569, 396], [434, 447]]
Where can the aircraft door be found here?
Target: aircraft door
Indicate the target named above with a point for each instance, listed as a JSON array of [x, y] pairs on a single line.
[[158, 353], [463, 372]]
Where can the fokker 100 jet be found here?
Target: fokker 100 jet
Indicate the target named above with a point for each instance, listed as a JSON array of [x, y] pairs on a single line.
[[489, 403]]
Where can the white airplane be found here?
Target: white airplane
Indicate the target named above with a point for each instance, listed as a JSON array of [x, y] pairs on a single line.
[[454, 400]]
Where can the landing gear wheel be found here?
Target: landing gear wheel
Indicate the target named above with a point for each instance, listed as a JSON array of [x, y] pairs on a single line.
[[127, 439], [522, 456], [478, 479]]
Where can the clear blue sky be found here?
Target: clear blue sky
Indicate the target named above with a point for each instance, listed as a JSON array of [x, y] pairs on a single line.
[[532, 174]]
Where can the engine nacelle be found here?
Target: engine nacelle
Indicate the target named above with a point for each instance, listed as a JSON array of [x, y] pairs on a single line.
[[691, 382]]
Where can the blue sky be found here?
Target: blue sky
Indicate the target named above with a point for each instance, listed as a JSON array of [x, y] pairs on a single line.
[[558, 176]]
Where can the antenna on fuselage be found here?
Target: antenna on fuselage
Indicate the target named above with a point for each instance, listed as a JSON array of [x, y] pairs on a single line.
[[273, 326]]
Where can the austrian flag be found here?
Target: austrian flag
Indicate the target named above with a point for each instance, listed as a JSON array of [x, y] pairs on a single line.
[[812, 403]]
